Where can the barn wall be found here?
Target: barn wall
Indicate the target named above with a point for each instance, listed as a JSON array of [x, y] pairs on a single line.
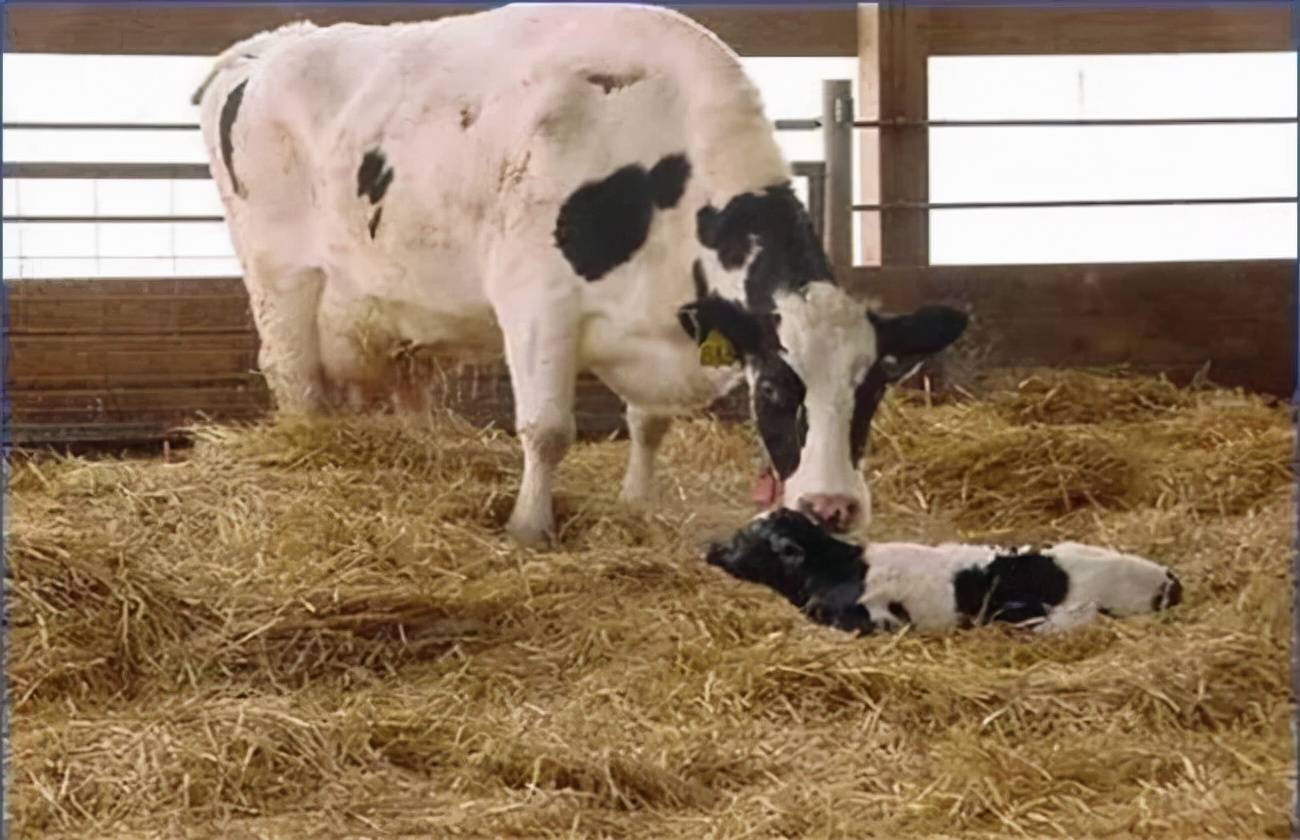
[[128, 359], [120, 359], [180, 29]]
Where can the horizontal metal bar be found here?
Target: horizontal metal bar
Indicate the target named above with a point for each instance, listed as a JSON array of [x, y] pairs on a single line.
[[136, 171], [792, 124], [1074, 123], [41, 220], [85, 126], [810, 124], [808, 168], [1112, 202]]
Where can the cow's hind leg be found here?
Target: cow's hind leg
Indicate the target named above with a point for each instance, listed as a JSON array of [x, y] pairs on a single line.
[[284, 303], [647, 432], [540, 328]]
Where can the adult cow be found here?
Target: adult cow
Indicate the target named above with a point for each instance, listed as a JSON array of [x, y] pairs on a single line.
[[596, 184]]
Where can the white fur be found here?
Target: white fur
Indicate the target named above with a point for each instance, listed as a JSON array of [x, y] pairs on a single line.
[[464, 257], [829, 342], [920, 577]]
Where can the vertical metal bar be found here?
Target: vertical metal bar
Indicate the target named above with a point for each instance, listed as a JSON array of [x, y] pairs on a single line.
[[817, 199], [837, 139]]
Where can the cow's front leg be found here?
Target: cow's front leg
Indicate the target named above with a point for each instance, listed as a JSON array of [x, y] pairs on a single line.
[[647, 432], [541, 332], [284, 304]]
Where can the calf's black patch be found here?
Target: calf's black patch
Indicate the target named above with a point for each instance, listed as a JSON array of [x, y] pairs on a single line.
[[1014, 588], [602, 224], [225, 124]]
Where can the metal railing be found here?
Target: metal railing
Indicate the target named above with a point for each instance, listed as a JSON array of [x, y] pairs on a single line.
[[814, 172]]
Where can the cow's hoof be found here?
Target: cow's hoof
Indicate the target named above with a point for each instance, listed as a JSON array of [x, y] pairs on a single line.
[[529, 534], [636, 496]]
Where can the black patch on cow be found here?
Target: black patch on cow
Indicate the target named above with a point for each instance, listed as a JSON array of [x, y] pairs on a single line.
[[1013, 588], [898, 611], [815, 572], [668, 180], [866, 399], [701, 282], [604, 223], [226, 123], [374, 221], [774, 221], [779, 413], [374, 176], [467, 116]]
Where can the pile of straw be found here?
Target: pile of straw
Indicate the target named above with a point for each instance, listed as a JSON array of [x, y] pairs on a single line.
[[314, 629]]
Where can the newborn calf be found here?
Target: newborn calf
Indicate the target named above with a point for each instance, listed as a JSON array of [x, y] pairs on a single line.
[[943, 587]]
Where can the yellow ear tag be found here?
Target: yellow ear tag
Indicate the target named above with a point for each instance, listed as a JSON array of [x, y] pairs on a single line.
[[716, 351]]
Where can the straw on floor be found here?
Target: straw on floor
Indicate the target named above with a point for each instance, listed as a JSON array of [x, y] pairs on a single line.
[[313, 629]]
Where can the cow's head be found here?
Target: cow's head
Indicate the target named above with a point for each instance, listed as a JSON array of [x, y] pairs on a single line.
[[817, 360]]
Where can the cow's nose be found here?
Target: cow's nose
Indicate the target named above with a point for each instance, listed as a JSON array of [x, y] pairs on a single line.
[[832, 511]]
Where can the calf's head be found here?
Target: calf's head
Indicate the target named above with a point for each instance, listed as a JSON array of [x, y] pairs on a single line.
[[816, 359], [819, 574]]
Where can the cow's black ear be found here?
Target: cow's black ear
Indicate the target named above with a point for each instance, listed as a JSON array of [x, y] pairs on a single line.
[[921, 333], [729, 319]]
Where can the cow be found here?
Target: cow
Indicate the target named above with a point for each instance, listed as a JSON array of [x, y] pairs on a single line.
[[939, 588], [582, 187]]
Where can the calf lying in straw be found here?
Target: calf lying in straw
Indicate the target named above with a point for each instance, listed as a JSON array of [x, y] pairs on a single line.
[[938, 588]]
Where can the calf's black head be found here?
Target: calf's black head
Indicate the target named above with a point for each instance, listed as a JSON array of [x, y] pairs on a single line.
[[819, 574]]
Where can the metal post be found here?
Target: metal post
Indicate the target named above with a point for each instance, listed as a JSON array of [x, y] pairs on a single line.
[[837, 137]]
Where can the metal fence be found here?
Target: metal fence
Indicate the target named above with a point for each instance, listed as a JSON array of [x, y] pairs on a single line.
[[817, 174]]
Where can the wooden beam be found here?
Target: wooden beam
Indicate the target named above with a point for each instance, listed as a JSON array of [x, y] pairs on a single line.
[[1071, 29], [868, 107], [1240, 316], [904, 152], [177, 29]]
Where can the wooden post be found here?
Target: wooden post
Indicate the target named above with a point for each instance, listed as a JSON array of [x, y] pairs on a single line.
[[869, 138], [904, 151], [837, 136]]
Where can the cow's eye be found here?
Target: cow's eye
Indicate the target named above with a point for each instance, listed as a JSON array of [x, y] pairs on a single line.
[[769, 392]]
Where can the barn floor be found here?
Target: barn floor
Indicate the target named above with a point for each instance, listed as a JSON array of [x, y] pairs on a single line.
[[313, 631]]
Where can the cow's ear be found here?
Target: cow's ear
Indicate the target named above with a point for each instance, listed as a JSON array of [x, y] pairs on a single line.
[[712, 318], [921, 333]]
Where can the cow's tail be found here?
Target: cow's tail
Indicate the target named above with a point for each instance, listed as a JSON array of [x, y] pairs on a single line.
[[250, 49]]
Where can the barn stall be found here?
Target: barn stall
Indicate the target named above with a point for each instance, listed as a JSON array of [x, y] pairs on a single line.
[[291, 628]]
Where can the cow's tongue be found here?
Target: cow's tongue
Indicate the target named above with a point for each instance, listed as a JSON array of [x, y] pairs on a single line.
[[767, 490]]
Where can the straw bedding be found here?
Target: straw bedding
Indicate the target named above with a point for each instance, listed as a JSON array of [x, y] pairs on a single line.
[[313, 629]]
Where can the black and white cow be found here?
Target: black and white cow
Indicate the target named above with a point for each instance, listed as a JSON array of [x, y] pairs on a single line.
[[943, 587], [586, 187]]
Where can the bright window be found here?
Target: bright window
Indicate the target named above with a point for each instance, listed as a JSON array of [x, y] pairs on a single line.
[[157, 89], [1091, 163]]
